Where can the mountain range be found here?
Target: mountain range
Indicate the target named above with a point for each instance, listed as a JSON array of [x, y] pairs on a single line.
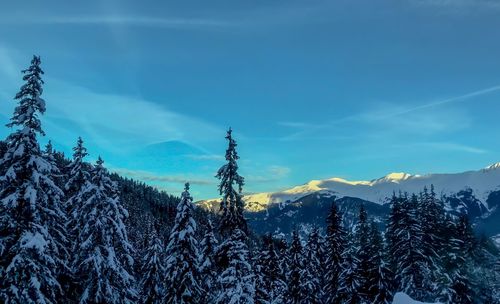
[[476, 193]]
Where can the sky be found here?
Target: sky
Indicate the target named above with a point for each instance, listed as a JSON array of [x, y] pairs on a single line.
[[312, 89]]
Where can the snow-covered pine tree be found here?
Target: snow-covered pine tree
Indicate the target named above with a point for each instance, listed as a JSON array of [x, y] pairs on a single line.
[[295, 282], [208, 269], [381, 278], [459, 254], [270, 284], [30, 243], [312, 273], [57, 222], [363, 252], [237, 281], [183, 281], [334, 247], [431, 216], [412, 272], [349, 280], [230, 188], [103, 256], [78, 180], [393, 228], [152, 283]]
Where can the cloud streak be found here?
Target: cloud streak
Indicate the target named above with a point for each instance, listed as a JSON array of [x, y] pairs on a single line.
[[151, 177], [133, 21], [390, 116]]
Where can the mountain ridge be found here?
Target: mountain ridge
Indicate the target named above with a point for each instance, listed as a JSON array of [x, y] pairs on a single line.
[[482, 182]]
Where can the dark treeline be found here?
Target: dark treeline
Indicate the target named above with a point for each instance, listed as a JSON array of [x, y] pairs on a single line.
[[70, 232]]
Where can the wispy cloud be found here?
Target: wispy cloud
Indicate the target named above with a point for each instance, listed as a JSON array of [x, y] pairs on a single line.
[[131, 21], [151, 177], [450, 146], [271, 174], [205, 157], [416, 118]]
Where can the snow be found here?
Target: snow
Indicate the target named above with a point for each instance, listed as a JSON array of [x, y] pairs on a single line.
[[402, 298], [482, 182]]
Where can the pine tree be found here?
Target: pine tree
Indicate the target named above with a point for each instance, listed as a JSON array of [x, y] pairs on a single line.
[[230, 188], [182, 265], [237, 282], [312, 273], [295, 292], [78, 180], [412, 273], [103, 259], [459, 255], [208, 269], [381, 278], [349, 280], [270, 283], [431, 216], [363, 253], [334, 247], [151, 285], [30, 243]]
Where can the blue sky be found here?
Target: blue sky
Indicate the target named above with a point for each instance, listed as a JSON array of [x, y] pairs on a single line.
[[313, 89]]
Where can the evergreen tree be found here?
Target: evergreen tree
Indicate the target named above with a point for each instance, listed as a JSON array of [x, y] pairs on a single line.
[[412, 272], [459, 256], [230, 188], [363, 255], [208, 269], [334, 247], [296, 290], [103, 260], [381, 278], [31, 248], [151, 285], [236, 282], [312, 273], [431, 216], [394, 226], [270, 284], [349, 280], [78, 181], [182, 265]]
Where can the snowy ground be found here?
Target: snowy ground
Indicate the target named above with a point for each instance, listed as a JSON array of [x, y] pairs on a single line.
[[402, 298]]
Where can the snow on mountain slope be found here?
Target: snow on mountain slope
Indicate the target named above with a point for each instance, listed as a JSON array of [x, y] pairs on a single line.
[[482, 182]]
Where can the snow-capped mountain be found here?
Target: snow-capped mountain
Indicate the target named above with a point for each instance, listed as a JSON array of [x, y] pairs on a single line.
[[476, 193], [481, 182]]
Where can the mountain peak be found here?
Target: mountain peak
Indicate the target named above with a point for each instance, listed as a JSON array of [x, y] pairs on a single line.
[[394, 177], [493, 166]]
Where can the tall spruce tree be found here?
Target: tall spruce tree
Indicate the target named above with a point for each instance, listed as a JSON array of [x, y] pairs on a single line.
[[78, 181], [270, 283], [295, 282], [230, 188], [312, 273], [349, 281], [412, 272], [30, 242], [335, 244], [152, 283], [237, 281], [362, 243], [381, 278], [208, 269], [103, 256], [183, 281]]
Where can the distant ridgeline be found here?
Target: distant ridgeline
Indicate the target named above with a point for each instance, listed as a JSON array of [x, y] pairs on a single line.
[[71, 232]]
